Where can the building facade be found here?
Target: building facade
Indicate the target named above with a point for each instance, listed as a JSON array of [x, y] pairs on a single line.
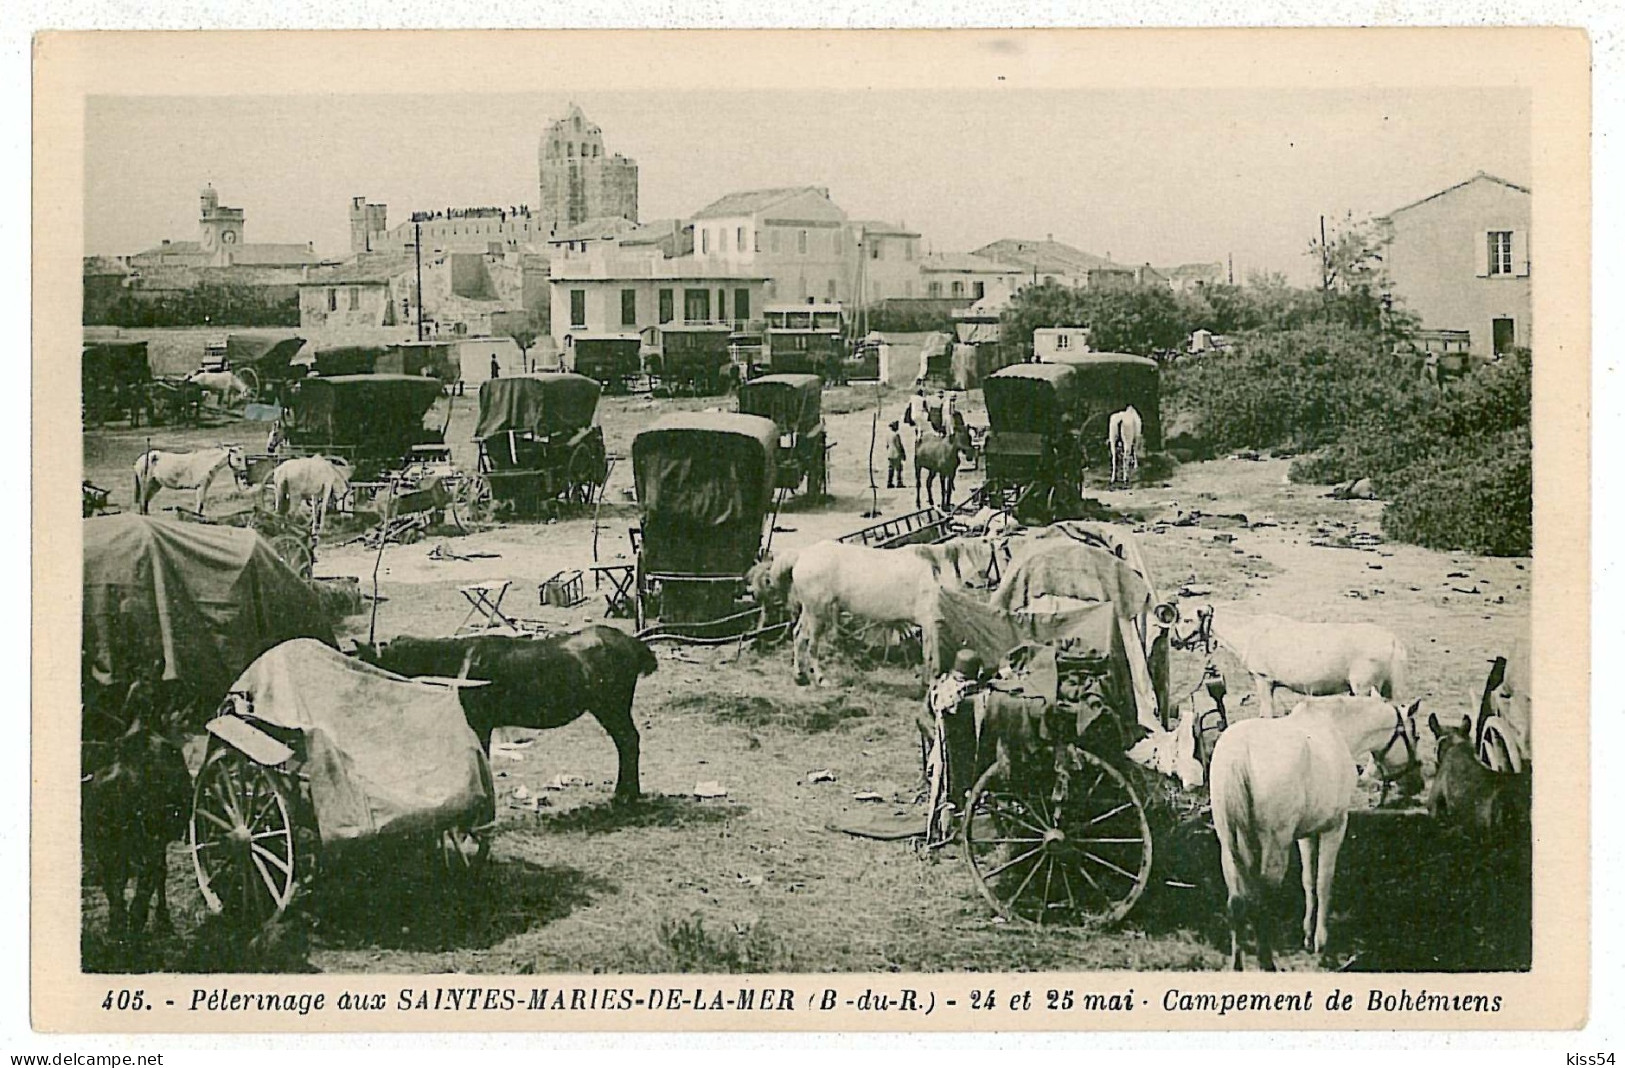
[[796, 238], [220, 243], [888, 261], [579, 180], [629, 294], [954, 275], [1460, 260]]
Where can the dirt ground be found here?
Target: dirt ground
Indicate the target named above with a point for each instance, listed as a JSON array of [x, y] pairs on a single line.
[[756, 880]]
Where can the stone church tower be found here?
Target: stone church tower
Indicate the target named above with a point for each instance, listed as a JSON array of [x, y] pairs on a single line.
[[220, 230], [579, 181]]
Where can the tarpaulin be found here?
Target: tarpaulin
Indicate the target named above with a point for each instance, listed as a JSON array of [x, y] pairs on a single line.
[[385, 754], [705, 483], [383, 414], [793, 402], [203, 600], [1031, 398], [536, 404], [1111, 381]]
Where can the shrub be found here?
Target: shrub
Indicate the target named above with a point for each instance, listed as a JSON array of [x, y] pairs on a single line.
[[1477, 499]]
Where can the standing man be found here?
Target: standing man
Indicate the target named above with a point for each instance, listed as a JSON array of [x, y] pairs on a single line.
[[496, 367], [894, 458]]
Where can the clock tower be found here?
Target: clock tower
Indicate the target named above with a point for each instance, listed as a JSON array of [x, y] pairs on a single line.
[[220, 229]]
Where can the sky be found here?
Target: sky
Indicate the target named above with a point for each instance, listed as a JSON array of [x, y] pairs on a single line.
[[1160, 176]]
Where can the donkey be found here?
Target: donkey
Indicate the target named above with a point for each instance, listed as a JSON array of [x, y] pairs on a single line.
[[155, 470], [1274, 782]]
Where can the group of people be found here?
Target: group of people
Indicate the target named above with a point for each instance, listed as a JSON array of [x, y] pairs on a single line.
[[925, 415]]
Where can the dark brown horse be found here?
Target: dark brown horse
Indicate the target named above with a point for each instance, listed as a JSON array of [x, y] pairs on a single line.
[[537, 683], [132, 805], [938, 457]]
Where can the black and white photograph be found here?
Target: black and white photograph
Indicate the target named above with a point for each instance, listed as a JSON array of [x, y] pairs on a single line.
[[875, 529]]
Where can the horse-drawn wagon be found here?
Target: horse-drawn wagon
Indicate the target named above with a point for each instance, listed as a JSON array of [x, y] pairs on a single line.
[[614, 361], [1029, 766], [313, 753], [538, 442], [804, 338], [373, 422], [115, 381], [705, 487], [263, 362], [1033, 454], [1108, 382], [795, 404], [694, 357]]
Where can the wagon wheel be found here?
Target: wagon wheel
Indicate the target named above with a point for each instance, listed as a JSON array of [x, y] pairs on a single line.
[[1086, 859], [242, 838], [471, 503], [1496, 750], [251, 379], [294, 550]]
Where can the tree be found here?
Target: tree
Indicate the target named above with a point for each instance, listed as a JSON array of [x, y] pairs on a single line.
[[1136, 318], [1354, 277], [524, 337]]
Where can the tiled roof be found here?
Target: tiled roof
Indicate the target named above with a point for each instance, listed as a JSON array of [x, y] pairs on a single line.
[[752, 201], [968, 262], [1451, 189], [1045, 255]]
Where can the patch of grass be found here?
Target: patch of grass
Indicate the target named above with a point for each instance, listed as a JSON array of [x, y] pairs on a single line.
[[685, 945], [755, 712]]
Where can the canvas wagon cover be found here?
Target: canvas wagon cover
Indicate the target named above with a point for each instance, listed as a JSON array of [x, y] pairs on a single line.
[[206, 600], [386, 755], [341, 360], [538, 404], [1111, 381], [1030, 398], [794, 402], [704, 482], [362, 409], [1065, 593], [267, 352]]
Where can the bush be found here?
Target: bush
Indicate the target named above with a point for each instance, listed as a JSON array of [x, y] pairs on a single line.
[[1477, 499], [1293, 389]]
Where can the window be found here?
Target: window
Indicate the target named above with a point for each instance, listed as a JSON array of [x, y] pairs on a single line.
[[978, 290], [629, 307], [332, 300], [722, 304], [801, 242], [874, 250], [705, 241], [1500, 247], [739, 239], [959, 289], [578, 307], [756, 237], [355, 298], [934, 289], [666, 313], [696, 305], [1063, 341], [741, 304]]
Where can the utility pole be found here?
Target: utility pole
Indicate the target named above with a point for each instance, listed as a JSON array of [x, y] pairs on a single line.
[[417, 249], [1325, 273], [1230, 263]]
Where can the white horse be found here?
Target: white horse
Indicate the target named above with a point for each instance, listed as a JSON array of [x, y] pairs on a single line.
[[317, 481], [879, 585], [1125, 437], [224, 386], [1274, 782], [1315, 659], [155, 470]]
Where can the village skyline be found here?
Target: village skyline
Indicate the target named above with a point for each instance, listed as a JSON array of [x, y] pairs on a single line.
[[1163, 177]]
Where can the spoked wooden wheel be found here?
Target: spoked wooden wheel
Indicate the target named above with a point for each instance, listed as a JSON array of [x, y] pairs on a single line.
[[1084, 860], [472, 505], [294, 551], [583, 474], [242, 838], [251, 379], [1497, 751]]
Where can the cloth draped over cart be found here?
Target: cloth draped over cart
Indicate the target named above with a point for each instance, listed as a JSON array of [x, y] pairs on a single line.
[[705, 482], [536, 404], [203, 600], [1080, 598], [385, 754]]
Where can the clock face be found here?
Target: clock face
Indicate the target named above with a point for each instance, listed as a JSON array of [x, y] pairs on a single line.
[[229, 237]]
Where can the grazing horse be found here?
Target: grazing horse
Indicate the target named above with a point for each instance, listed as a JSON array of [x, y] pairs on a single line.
[[1274, 782], [537, 683], [1125, 438], [224, 386], [878, 585], [770, 579], [938, 456], [131, 808], [155, 470], [1315, 659], [317, 481]]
